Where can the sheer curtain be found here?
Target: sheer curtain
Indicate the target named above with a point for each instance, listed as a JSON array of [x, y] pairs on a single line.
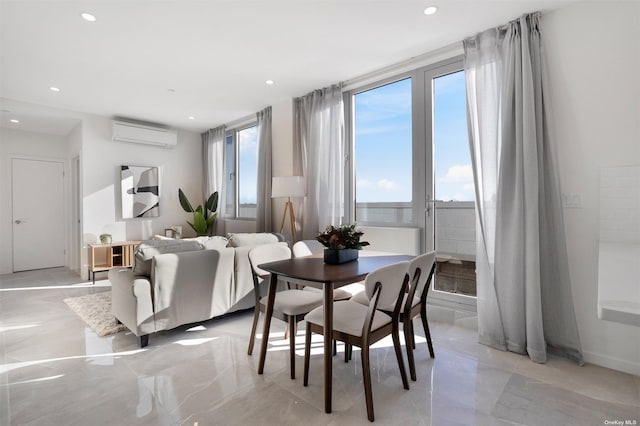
[[524, 292], [264, 173], [319, 156], [213, 170]]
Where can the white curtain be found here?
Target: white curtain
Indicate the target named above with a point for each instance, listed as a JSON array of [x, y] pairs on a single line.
[[264, 173], [524, 292], [319, 156], [213, 172]]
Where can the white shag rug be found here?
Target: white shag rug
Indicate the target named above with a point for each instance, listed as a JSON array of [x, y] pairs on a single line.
[[95, 310]]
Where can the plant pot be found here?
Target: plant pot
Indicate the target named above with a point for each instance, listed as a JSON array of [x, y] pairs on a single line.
[[336, 257]]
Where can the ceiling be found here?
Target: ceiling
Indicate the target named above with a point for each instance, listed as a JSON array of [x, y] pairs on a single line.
[[166, 61]]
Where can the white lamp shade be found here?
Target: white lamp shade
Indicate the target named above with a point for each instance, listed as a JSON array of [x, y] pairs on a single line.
[[288, 186]]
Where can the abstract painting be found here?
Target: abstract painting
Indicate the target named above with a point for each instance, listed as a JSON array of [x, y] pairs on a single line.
[[140, 195]]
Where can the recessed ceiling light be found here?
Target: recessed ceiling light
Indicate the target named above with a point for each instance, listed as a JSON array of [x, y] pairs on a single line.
[[269, 82], [191, 117], [13, 120], [54, 89], [431, 10], [88, 17]]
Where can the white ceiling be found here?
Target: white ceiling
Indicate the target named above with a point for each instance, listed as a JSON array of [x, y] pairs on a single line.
[[163, 61]]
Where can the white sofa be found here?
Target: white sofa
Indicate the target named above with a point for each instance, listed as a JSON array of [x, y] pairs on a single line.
[[176, 282]]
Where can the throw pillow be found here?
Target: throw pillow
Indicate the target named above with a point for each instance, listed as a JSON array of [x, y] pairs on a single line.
[[145, 251]]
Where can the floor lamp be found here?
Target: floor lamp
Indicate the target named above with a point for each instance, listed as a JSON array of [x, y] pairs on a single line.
[[289, 187]]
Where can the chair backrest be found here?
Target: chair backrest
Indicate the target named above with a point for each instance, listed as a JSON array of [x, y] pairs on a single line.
[[391, 279], [307, 248], [421, 270], [266, 253]]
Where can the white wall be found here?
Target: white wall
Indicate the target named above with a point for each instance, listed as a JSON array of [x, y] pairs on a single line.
[[17, 143], [593, 59], [180, 167]]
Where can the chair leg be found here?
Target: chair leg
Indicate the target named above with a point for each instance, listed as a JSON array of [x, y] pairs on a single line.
[[395, 333], [346, 352], [425, 324], [256, 315], [366, 376], [307, 354], [335, 347], [413, 335], [408, 338], [292, 346]]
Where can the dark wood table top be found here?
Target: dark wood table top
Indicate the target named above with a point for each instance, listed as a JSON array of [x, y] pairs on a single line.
[[313, 268]]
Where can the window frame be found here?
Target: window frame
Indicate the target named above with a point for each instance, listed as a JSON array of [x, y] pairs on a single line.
[[232, 173]]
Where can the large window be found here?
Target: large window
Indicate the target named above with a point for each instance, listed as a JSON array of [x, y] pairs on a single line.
[[241, 166], [411, 167], [382, 150]]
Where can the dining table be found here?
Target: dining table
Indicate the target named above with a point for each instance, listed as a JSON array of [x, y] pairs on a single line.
[[313, 271]]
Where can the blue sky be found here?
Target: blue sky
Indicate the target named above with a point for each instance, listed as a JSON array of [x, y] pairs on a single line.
[[383, 142], [248, 165]]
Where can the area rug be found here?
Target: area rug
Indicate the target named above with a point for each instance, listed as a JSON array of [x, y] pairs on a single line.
[[95, 310]]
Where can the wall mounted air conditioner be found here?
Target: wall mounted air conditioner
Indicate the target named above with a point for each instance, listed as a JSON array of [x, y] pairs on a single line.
[[124, 131]]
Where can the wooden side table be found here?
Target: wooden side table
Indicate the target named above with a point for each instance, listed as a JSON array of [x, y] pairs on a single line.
[[103, 257]]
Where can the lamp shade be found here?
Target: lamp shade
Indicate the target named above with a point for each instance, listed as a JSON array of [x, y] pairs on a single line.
[[288, 186]]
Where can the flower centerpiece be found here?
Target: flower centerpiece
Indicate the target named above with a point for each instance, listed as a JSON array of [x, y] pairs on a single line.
[[342, 243]]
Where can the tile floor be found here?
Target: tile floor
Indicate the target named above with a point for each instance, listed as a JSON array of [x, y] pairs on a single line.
[[56, 371]]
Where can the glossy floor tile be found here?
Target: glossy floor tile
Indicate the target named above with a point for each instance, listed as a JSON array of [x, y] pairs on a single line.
[[56, 371]]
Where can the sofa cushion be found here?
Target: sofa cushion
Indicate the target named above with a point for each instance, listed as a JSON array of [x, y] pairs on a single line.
[[209, 243], [145, 251], [252, 239]]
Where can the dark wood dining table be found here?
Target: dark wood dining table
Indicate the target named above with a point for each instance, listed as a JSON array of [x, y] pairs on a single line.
[[312, 271]]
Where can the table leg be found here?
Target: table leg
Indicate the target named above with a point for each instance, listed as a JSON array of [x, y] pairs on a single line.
[[273, 286], [328, 349]]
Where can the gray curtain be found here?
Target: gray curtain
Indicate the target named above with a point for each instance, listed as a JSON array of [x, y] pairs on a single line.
[[524, 292], [319, 156], [263, 208], [213, 172]]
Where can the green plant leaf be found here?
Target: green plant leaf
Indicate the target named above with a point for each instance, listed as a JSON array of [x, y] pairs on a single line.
[[184, 202], [212, 202], [199, 210], [199, 223], [192, 226], [211, 219]]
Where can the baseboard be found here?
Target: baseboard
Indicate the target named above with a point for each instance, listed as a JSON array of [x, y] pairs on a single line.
[[612, 362]]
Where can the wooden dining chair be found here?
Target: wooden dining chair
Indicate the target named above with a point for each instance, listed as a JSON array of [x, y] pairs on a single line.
[[414, 303], [359, 325], [290, 306], [313, 247]]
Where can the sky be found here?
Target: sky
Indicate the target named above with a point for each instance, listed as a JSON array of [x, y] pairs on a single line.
[[383, 142]]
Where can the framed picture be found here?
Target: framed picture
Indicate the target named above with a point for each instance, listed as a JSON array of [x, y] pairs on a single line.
[[168, 232], [140, 191]]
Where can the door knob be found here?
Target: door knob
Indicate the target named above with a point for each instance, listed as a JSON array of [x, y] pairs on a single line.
[[17, 222]]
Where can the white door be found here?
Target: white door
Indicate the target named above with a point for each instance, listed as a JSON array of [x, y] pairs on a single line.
[[38, 214]]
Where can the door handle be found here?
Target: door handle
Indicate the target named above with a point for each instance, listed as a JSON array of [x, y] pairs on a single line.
[[17, 221]]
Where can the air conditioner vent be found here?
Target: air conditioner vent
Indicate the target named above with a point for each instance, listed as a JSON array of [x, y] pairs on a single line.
[[132, 132]]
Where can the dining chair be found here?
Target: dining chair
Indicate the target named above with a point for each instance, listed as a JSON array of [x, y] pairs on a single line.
[[359, 325], [312, 247], [290, 306], [414, 303]]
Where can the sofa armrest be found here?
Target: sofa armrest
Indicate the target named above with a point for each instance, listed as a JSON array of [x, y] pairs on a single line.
[[132, 302]]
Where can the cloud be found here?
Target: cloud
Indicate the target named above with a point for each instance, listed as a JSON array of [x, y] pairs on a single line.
[[248, 139], [387, 184], [458, 173]]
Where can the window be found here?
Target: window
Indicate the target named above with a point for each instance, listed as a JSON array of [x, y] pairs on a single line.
[[382, 142], [241, 171], [453, 190], [411, 167]]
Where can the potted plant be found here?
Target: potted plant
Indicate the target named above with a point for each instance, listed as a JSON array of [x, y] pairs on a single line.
[[105, 238], [342, 243], [203, 218]]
